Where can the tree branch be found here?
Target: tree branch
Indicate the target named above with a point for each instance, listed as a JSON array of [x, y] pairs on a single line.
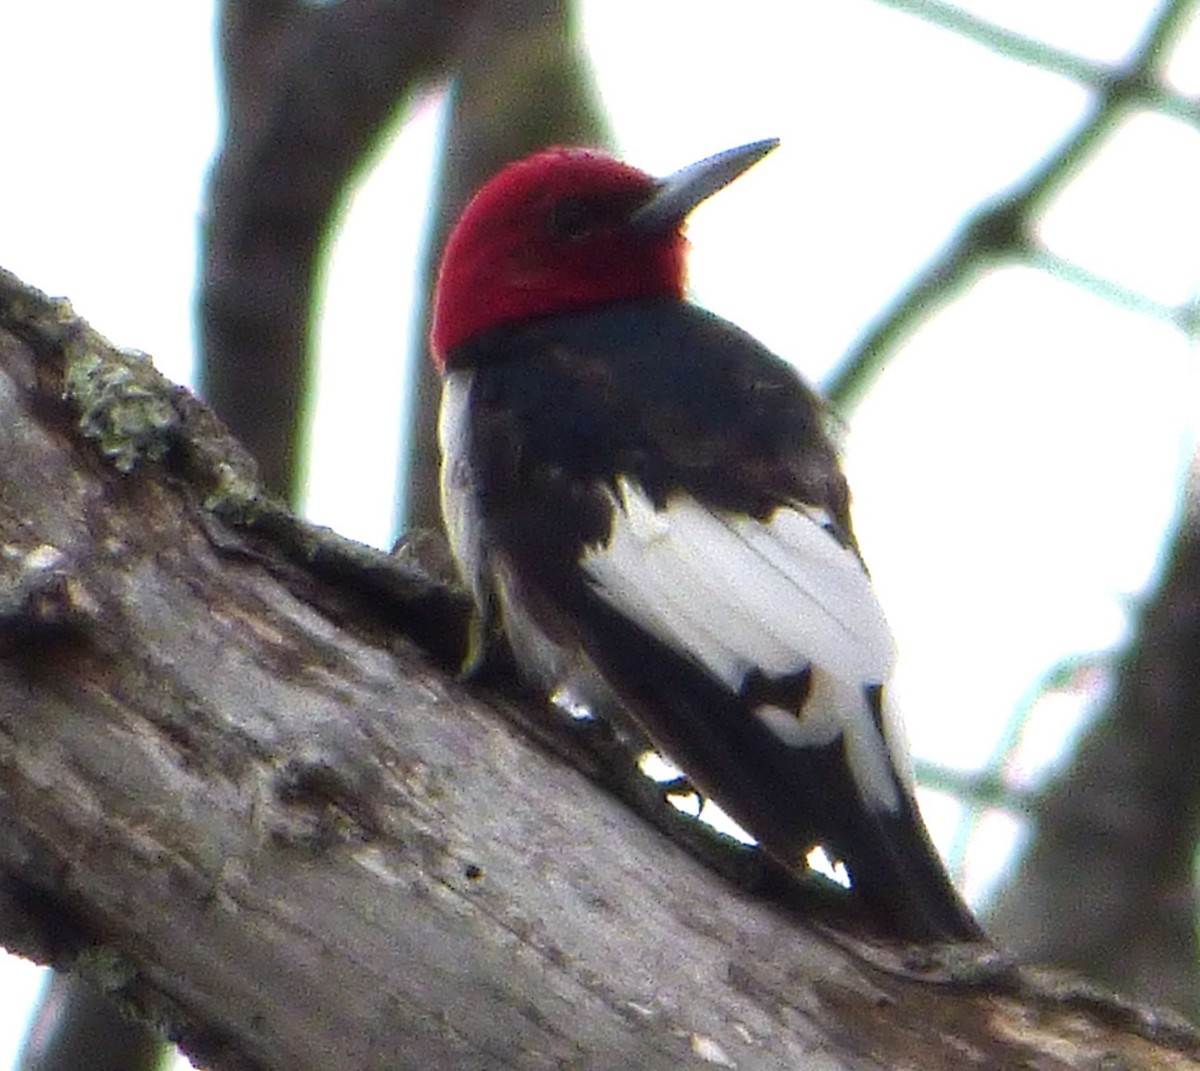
[[240, 798], [1001, 230]]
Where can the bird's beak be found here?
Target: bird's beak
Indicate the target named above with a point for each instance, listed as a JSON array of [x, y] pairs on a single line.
[[677, 194]]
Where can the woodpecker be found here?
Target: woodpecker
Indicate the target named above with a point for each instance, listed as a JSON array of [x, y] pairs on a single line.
[[647, 501]]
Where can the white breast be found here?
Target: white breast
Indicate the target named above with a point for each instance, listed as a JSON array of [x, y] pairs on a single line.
[[460, 509]]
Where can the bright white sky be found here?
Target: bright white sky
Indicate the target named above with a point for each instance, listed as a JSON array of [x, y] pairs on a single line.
[[1015, 468]]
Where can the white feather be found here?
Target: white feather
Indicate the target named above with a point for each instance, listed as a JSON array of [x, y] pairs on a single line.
[[737, 594], [459, 504]]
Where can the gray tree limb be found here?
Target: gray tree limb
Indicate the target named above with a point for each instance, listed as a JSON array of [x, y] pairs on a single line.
[[243, 796]]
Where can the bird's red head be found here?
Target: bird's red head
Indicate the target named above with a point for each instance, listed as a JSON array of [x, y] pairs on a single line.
[[549, 234], [568, 229]]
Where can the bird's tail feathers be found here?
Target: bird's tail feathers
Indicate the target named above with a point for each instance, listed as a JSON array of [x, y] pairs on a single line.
[[900, 876]]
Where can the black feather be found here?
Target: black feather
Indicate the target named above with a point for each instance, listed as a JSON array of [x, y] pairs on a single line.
[[680, 401]]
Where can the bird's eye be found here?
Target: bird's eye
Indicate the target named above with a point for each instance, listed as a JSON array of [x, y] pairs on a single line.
[[571, 218]]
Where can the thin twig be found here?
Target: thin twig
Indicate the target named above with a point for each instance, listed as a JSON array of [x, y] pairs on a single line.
[[999, 231]]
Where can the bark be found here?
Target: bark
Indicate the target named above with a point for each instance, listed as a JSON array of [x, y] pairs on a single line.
[[244, 796], [306, 90]]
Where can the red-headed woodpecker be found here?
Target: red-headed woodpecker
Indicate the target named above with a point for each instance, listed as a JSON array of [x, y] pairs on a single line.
[[646, 498]]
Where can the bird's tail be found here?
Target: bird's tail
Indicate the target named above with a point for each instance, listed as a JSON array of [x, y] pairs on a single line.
[[895, 870], [790, 797], [900, 877]]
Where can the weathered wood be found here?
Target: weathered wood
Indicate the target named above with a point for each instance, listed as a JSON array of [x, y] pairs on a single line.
[[240, 796]]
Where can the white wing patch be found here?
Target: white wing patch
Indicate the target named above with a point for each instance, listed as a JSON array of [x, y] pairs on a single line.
[[737, 594]]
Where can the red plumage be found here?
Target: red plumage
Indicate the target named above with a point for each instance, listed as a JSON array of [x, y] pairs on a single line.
[[506, 261]]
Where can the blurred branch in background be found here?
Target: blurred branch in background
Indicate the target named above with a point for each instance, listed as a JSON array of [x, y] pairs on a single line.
[[1109, 885], [522, 85], [78, 1028], [308, 88], [1003, 229]]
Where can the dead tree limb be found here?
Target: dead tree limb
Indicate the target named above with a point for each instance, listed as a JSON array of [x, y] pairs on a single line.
[[242, 794]]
